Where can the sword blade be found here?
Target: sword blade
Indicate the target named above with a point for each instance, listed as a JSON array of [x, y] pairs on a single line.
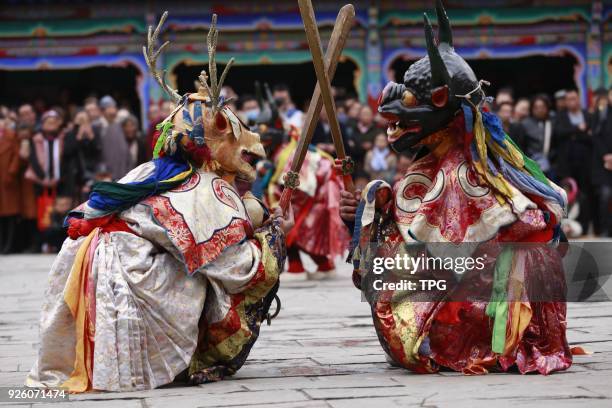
[[337, 41], [314, 43], [342, 28]]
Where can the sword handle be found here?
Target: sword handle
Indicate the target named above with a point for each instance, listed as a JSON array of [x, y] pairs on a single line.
[[348, 183], [323, 78], [344, 166], [292, 181], [285, 199]]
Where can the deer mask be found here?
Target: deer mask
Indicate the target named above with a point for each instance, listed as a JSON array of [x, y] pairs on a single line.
[[202, 127]]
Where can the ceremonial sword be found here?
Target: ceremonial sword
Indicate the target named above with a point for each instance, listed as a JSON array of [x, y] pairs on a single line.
[[321, 95]]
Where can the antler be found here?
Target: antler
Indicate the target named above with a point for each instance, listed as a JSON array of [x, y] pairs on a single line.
[[151, 55], [214, 89]]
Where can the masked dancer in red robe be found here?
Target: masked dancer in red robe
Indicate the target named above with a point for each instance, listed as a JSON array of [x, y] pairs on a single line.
[[470, 190], [318, 231]]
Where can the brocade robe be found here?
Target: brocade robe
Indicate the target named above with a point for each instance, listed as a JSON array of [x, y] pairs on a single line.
[[183, 282], [479, 322]]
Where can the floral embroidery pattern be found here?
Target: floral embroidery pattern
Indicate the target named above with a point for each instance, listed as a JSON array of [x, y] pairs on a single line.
[[195, 254]]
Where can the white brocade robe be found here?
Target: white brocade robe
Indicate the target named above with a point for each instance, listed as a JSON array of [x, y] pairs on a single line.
[[147, 305]]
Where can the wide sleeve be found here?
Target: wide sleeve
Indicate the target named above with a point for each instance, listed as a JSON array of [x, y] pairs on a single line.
[[243, 281]]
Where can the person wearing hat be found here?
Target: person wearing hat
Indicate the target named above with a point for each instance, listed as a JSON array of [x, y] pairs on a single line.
[[46, 152], [560, 100], [44, 167]]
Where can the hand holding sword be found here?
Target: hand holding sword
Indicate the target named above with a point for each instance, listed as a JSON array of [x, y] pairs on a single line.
[[322, 94]]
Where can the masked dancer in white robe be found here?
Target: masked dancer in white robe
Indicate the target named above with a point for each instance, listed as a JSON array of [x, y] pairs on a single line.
[[169, 270]]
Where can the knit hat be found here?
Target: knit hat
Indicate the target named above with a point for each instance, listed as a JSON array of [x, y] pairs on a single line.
[[107, 101], [49, 114]]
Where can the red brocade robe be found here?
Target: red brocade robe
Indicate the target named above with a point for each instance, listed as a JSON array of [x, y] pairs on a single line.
[[318, 229], [441, 202]]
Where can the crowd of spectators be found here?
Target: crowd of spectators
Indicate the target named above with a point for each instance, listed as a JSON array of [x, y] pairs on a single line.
[[51, 156], [572, 145]]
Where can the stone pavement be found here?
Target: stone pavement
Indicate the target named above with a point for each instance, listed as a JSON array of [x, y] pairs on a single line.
[[321, 351]]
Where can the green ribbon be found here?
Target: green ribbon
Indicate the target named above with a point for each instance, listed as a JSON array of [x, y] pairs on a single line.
[[165, 128], [131, 194], [498, 305]]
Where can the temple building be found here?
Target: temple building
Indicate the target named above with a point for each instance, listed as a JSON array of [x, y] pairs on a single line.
[[63, 51]]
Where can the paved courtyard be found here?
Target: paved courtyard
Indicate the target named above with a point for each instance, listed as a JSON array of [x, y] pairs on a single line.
[[321, 351]]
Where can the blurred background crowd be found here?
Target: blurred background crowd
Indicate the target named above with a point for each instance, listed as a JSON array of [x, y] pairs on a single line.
[[52, 155], [78, 105]]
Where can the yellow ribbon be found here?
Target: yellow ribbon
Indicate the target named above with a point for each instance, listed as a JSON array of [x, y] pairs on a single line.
[[498, 182], [76, 300]]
